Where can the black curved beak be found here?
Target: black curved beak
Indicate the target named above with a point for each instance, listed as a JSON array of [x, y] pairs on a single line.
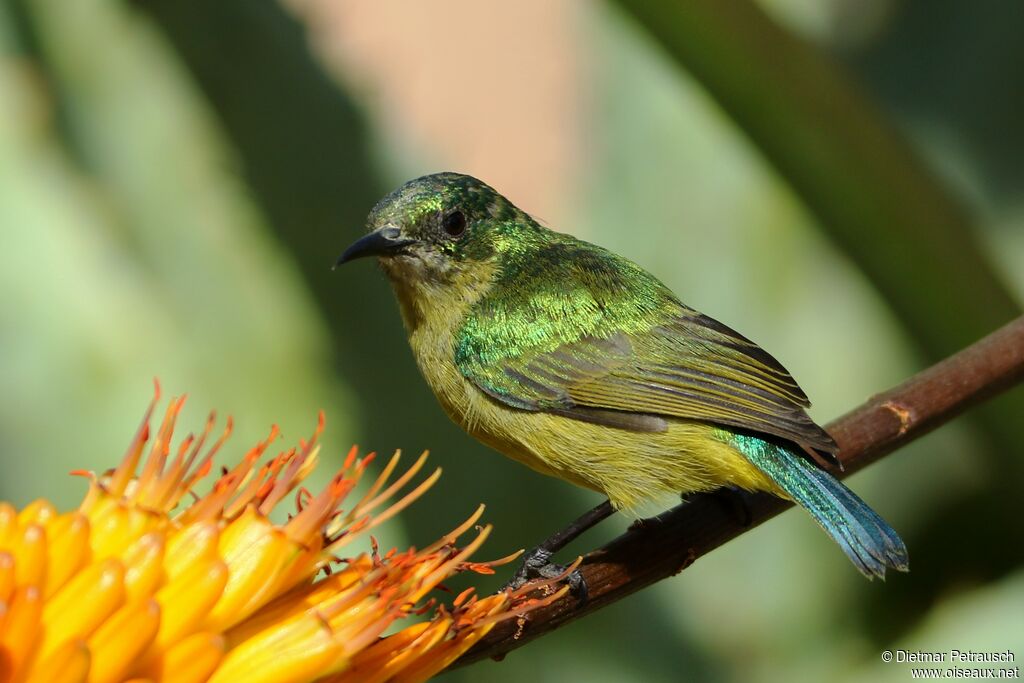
[[382, 242]]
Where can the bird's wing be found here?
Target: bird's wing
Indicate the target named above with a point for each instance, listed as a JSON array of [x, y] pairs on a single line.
[[629, 369]]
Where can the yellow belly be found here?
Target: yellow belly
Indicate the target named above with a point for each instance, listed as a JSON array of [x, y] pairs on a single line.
[[631, 468]]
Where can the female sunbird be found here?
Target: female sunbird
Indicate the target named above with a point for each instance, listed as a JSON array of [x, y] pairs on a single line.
[[580, 364]]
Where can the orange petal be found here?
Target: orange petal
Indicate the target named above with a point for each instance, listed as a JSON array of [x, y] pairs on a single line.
[[194, 544], [8, 525], [68, 537], [122, 638], [30, 557], [302, 567], [7, 572], [294, 652], [109, 521], [302, 599], [83, 604], [433, 661], [20, 633], [193, 660], [388, 656], [188, 599], [39, 511], [144, 568], [256, 553], [69, 663]]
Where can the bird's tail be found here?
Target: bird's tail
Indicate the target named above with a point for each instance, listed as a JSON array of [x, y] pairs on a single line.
[[866, 538]]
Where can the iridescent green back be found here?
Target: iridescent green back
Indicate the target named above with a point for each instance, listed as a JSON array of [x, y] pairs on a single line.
[[571, 328]]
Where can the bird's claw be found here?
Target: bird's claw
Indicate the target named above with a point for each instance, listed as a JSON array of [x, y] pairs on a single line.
[[537, 565]]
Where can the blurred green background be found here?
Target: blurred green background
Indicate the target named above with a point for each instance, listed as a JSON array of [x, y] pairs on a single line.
[[177, 176]]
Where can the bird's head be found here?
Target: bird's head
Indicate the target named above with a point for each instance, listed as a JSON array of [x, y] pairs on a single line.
[[438, 230]]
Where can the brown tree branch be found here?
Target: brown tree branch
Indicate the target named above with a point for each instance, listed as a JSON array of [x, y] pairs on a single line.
[[657, 549]]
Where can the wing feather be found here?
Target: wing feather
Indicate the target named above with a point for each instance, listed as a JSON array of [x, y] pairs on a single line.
[[637, 357]]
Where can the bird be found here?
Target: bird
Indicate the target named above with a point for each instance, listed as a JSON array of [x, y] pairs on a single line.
[[580, 364]]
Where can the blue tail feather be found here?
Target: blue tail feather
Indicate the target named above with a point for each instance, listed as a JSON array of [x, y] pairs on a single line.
[[870, 543]]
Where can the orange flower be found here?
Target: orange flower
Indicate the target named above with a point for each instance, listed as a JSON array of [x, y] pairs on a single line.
[[148, 582]]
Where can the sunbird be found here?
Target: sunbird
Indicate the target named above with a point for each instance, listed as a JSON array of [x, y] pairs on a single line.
[[580, 364]]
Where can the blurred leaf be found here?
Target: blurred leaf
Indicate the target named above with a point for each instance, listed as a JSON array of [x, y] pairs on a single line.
[[868, 188], [130, 250], [885, 209]]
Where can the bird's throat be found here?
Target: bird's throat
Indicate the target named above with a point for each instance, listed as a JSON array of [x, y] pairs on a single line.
[[438, 305]]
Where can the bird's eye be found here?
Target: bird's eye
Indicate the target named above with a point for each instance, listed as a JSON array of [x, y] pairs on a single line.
[[454, 224]]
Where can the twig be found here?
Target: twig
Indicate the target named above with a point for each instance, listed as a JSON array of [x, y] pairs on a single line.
[[657, 549]]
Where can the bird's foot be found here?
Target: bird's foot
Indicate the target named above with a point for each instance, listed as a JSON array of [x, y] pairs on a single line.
[[537, 566]]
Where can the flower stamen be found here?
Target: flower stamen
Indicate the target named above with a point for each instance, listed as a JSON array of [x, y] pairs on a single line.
[[149, 581]]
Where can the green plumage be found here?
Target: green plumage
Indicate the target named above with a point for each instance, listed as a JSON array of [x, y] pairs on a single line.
[[579, 363], [869, 542], [572, 327]]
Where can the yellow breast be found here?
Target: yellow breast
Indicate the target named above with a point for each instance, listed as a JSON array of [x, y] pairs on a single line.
[[631, 468], [433, 313]]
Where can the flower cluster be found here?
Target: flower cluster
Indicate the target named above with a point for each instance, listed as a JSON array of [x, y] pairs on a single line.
[[148, 581]]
